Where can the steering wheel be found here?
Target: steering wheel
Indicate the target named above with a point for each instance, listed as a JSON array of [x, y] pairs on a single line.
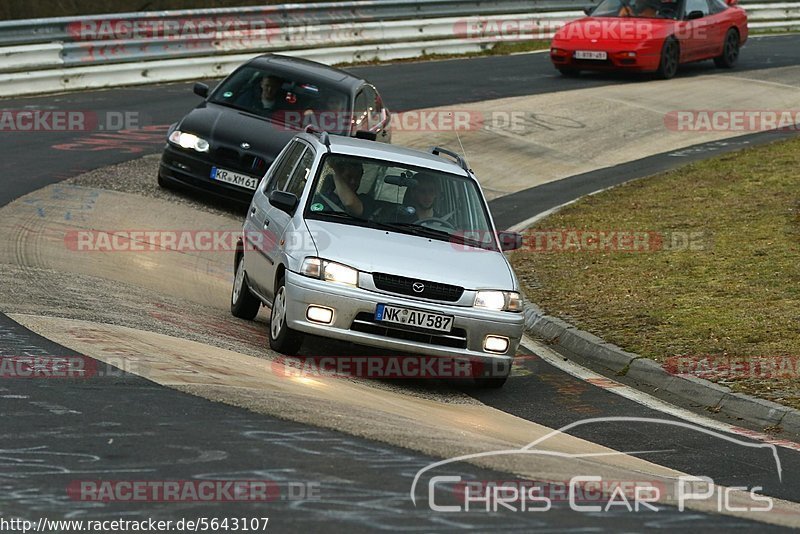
[[437, 221]]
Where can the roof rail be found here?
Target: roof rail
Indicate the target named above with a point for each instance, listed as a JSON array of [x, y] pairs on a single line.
[[324, 137], [461, 162]]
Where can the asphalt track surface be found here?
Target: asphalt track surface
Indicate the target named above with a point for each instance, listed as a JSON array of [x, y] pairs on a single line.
[[171, 435]]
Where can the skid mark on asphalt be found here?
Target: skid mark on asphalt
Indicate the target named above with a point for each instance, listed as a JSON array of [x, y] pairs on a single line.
[[124, 141]]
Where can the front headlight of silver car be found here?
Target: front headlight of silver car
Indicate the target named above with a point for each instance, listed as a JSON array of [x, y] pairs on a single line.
[[187, 140], [329, 271], [499, 300]]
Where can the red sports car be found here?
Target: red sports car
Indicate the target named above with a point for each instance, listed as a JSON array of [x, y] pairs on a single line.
[[651, 36]]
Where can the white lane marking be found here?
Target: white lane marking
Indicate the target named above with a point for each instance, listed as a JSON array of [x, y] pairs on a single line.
[[543, 50], [755, 80], [556, 360], [55, 409]]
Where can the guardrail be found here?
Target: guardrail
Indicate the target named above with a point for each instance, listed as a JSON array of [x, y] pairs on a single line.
[[46, 55]]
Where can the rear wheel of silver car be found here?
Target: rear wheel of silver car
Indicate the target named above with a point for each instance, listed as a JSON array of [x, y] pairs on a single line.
[[244, 304], [730, 51], [282, 338]]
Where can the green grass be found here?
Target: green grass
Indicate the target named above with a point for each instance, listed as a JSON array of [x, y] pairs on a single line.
[[739, 297]]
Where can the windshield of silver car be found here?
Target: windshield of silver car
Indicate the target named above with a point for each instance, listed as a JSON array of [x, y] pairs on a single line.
[[400, 198]]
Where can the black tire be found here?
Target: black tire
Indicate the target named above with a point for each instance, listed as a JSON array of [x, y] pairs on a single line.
[[163, 183], [244, 304], [730, 51], [282, 339], [490, 382], [493, 375], [670, 59], [569, 72]]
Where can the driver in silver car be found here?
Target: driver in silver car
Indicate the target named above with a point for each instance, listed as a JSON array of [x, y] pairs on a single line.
[[422, 196]]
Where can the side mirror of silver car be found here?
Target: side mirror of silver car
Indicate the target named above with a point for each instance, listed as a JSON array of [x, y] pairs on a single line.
[[283, 201], [510, 240]]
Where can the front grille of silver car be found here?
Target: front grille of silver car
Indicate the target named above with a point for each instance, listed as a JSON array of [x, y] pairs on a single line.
[[366, 323], [405, 286]]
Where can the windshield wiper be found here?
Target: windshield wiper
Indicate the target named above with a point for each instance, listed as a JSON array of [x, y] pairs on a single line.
[[341, 215], [417, 229], [425, 231]]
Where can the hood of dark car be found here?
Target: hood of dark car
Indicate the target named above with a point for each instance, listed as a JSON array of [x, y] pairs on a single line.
[[227, 127]]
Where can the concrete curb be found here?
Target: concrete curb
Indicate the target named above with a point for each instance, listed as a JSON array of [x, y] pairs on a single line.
[[696, 390]]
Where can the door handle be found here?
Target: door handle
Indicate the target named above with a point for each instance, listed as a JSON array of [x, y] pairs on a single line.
[[266, 223], [253, 210]]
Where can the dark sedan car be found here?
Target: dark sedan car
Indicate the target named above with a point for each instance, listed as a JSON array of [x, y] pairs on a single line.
[[226, 144]]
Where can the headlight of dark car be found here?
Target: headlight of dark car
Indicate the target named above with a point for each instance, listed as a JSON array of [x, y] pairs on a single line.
[[189, 141]]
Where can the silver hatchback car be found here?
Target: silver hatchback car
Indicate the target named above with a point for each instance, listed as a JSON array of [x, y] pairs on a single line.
[[382, 246]]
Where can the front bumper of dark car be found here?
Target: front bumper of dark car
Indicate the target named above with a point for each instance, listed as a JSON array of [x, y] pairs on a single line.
[[194, 170]]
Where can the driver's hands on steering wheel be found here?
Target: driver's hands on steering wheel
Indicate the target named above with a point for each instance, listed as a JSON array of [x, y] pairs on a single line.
[[437, 222]]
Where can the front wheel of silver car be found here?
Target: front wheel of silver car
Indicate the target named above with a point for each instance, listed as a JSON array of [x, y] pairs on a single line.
[[493, 375], [490, 382], [282, 338], [244, 304]]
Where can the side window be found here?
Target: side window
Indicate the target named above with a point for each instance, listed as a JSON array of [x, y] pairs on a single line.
[[300, 176], [284, 168], [697, 5], [717, 6]]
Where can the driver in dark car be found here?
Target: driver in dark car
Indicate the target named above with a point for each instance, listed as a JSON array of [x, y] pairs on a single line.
[[263, 95]]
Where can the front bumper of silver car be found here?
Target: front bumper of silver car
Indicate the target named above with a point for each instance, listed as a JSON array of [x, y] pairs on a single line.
[[354, 320]]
